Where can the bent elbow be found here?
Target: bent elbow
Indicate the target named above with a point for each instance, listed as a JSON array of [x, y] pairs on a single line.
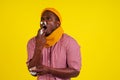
[[76, 73]]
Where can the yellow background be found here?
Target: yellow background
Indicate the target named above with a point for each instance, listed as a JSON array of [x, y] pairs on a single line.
[[93, 23]]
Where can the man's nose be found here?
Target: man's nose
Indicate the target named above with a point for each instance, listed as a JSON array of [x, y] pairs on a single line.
[[43, 22]]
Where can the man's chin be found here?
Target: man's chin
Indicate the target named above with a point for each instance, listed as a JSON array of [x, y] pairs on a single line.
[[48, 33]]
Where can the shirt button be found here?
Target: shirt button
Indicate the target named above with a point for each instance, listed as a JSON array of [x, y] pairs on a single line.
[[49, 61]]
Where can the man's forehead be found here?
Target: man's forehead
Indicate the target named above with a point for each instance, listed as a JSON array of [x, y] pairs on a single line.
[[49, 13]]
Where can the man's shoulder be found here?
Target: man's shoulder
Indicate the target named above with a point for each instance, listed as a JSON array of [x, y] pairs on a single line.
[[67, 39], [31, 40]]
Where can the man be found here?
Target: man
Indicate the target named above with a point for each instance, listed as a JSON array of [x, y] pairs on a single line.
[[52, 54]]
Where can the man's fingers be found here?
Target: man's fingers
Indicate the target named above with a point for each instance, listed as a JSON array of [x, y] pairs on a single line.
[[33, 68], [41, 33], [37, 70]]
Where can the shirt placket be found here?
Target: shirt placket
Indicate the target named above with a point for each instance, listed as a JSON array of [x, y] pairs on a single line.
[[48, 60]]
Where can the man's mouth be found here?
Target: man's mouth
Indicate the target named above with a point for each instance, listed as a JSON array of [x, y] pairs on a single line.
[[45, 27], [43, 24]]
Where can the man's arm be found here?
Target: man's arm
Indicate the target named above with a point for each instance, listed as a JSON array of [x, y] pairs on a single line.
[[58, 72], [64, 72], [37, 57]]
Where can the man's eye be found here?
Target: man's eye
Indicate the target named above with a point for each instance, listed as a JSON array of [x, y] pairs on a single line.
[[42, 18], [48, 18]]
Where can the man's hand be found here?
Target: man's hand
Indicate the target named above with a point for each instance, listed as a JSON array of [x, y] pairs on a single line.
[[58, 72], [40, 39], [33, 73], [41, 70]]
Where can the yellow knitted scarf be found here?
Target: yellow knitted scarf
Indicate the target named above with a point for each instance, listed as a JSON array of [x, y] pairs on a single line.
[[54, 37]]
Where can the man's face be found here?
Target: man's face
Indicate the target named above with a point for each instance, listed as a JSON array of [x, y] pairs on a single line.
[[52, 22]]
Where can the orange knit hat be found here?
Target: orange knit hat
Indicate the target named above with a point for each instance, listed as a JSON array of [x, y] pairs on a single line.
[[54, 11]]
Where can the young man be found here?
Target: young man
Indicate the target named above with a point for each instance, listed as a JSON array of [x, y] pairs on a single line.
[[52, 54]]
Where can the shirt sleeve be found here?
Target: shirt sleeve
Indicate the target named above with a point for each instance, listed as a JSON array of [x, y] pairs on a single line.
[[73, 55], [30, 49]]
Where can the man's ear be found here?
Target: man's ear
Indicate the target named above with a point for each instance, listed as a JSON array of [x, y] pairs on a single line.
[[58, 23]]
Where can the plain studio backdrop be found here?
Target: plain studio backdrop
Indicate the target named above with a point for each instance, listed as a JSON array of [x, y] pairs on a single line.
[[93, 23]]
